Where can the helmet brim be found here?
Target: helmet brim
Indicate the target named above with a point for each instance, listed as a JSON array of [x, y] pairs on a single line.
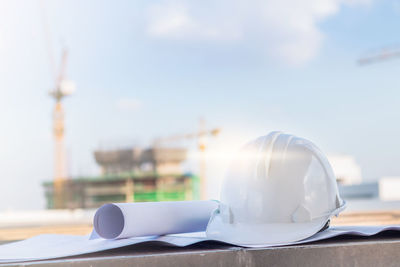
[[261, 235]]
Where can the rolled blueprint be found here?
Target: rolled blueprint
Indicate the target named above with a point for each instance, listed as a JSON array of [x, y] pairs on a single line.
[[123, 220]]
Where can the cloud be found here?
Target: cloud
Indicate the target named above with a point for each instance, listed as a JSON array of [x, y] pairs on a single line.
[[128, 104], [175, 20], [288, 29]]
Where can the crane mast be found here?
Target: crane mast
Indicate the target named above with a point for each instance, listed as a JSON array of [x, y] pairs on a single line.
[[59, 154], [62, 89]]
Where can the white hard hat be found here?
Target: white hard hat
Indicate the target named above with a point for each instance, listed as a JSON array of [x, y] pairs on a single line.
[[279, 189]]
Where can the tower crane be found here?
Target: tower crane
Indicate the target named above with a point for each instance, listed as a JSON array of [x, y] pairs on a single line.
[[383, 54], [201, 136], [62, 89]]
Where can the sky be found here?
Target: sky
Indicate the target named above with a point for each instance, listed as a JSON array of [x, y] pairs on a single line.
[[145, 69]]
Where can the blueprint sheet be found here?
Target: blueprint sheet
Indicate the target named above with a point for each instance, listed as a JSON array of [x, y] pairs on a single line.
[[52, 246]]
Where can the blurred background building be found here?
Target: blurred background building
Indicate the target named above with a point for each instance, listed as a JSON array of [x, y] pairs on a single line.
[[346, 169], [129, 175]]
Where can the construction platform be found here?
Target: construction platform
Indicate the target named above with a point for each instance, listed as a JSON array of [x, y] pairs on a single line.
[[92, 192], [381, 250]]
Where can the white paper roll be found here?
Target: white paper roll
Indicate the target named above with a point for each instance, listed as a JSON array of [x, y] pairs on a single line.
[[123, 220]]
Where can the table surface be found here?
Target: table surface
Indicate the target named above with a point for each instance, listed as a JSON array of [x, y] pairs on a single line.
[[380, 250]]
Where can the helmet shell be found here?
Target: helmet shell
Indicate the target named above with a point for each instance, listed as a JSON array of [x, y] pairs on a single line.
[[280, 188]]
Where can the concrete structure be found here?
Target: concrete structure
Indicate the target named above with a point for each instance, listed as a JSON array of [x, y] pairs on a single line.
[[346, 169], [373, 251], [128, 175], [118, 161], [156, 159]]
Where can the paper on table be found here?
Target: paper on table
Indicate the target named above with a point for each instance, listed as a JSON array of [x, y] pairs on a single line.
[[123, 220], [56, 246]]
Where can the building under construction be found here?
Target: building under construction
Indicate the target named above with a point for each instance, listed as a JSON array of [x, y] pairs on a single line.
[[128, 175]]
